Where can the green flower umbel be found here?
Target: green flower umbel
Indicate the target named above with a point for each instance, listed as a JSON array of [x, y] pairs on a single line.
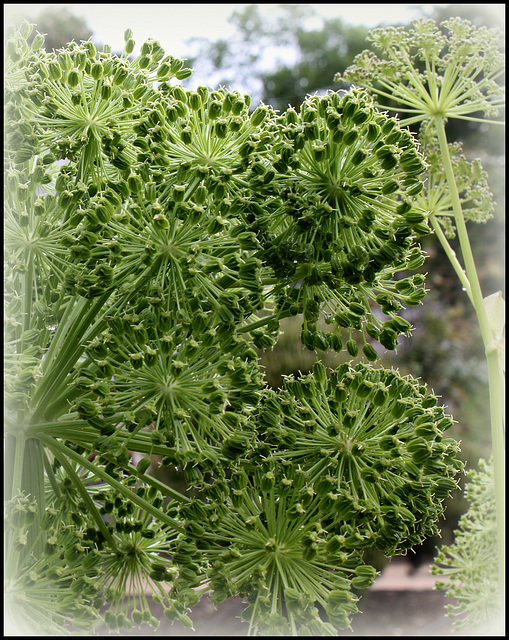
[[470, 562], [344, 224], [370, 443], [451, 71], [270, 548]]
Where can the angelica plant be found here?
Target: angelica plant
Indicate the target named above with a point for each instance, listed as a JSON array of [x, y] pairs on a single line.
[[155, 238], [429, 74], [470, 563]]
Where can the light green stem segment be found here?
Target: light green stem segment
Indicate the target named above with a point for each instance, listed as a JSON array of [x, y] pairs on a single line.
[[495, 372], [33, 484], [451, 254]]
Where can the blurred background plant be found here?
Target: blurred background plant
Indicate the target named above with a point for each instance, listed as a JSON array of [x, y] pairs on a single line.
[[285, 56]]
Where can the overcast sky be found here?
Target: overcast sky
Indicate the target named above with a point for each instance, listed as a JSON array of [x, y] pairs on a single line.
[[172, 24]]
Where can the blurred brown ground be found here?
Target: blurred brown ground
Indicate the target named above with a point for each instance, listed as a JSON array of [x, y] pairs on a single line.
[[402, 602]]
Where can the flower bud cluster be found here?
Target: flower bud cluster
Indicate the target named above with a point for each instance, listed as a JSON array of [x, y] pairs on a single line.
[[156, 236], [345, 224], [271, 549], [62, 584], [454, 44], [474, 192], [370, 443], [470, 564], [193, 393], [80, 103]]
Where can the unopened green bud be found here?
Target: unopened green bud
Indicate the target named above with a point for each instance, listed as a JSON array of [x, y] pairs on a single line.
[[352, 347], [146, 48], [389, 162], [388, 338], [421, 229], [144, 62], [370, 352], [400, 324], [390, 187], [215, 109], [120, 75], [362, 582], [37, 42], [195, 100], [176, 64], [97, 71], [65, 61], [359, 156], [129, 45], [183, 74], [91, 50], [73, 78], [163, 71], [81, 60], [416, 259], [134, 183], [267, 482], [350, 137], [415, 188], [259, 115], [319, 372], [320, 151], [106, 91], [200, 195], [221, 128], [143, 465], [311, 131]]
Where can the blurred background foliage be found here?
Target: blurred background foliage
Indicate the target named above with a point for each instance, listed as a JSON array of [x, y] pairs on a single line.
[[282, 57]]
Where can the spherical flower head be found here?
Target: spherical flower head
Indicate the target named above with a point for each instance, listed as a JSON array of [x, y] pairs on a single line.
[[190, 392], [82, 104], [371, 443], [205, 143], [346, 223], [269, 547]]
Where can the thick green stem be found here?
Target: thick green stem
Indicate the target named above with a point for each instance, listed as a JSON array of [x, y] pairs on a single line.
[[12, 471], [495, 374], [259, 323]]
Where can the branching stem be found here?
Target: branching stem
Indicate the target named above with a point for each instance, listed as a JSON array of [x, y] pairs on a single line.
[[495, 373]]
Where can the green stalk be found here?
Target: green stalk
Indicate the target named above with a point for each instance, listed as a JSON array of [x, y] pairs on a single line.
[[71, 341], [157, 484], [261, 323], [495, 373], [28, 294], [13, 466], [451, 254], [33, 484]]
